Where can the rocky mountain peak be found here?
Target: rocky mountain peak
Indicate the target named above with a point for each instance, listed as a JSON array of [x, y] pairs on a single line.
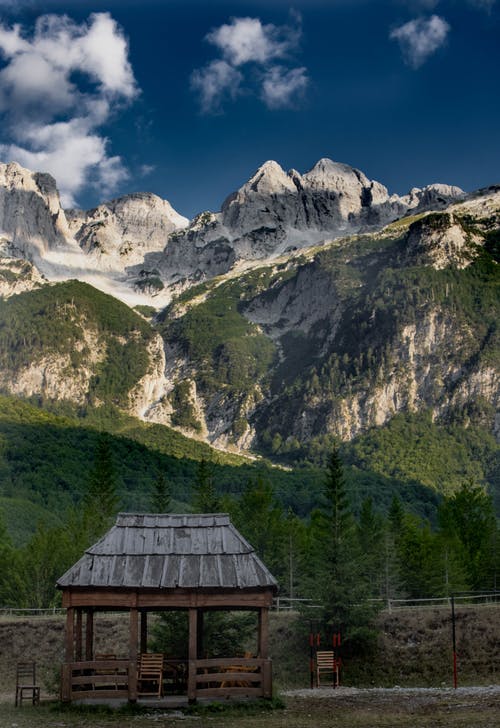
[[270, 178], [334, 176], [122, 231], [31, 215]]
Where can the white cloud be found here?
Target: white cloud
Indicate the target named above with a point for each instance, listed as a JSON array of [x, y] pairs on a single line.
[[146, 169], [71, 152], [215, 82], [58, 86], [420, 38], [282, 87], [247, 39], [246, 42]]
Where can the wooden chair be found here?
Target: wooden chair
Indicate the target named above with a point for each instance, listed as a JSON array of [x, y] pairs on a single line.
[[26, 683], [150, 674], [327, 664]]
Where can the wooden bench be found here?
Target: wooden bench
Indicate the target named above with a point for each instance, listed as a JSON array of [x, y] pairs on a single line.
[[327, 664]]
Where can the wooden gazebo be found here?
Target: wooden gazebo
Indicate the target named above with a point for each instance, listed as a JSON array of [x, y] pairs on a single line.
[[155, 562]]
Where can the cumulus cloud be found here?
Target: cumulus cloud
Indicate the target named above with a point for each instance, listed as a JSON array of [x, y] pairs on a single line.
[[58, 86], [247, 39], [246, 44], [420, 38], [282, 87], [214, 83]]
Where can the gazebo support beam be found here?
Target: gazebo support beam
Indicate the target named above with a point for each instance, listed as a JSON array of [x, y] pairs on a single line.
[[193, 654], [132, 672], [78, 634], [70, 635], [263, 632], [144, 631], [199, 634], [89, 635]]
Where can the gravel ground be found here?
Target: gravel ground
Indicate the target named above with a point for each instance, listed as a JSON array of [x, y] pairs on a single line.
[[395, 692]]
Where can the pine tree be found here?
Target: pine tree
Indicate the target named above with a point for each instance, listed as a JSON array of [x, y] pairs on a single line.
[[205, 498], [161, 496], [10, 580], [371, 538], [101, 500], [335, 560], [467, 519], [260, 518]]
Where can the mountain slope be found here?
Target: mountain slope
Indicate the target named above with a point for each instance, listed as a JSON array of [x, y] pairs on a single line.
[[69, 341], [342, 339], [282, 347]]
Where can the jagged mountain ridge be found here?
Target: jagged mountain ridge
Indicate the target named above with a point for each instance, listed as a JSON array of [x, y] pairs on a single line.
[[275, 212], [311, 343], [139, 248]]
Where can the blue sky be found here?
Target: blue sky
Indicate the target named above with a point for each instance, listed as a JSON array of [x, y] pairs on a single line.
[[186, 98]]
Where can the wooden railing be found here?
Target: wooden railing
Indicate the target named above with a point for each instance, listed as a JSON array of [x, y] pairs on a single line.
[[99, 679], [238, 676], [211, 678]]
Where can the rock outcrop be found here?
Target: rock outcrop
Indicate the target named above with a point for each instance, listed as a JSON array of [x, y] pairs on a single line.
[[31, 216], [277, 211], [120, 233]]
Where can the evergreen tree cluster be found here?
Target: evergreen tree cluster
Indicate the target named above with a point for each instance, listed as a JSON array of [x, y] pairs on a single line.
[[344, 567]]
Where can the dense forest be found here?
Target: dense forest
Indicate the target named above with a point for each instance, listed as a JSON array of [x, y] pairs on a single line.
[[348, 563]]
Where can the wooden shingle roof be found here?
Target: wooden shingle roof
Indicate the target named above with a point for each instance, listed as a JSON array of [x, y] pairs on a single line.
[[168, 551]]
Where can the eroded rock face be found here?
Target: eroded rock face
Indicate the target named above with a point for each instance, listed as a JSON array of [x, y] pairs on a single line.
[[17, 276], [440, 240], [31, 217], [122, 232]]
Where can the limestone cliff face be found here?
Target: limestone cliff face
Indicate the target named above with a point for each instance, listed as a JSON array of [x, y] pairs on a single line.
[[17, 276], [388, 314], [150, 389], [31, 217], [121, 233], [368, 327], [138, 246], [112, 246], [54, 376]]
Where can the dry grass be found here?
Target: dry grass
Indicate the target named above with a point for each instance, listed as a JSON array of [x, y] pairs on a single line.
[[364, 709]]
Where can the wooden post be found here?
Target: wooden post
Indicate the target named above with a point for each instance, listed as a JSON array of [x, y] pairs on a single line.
[[132, 672], [264, 632], [68, 656], [66, 672], [78, 634], [89, 635], [193, 653], [199, 634], [70, 626], [267, 678], [144, 631]]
